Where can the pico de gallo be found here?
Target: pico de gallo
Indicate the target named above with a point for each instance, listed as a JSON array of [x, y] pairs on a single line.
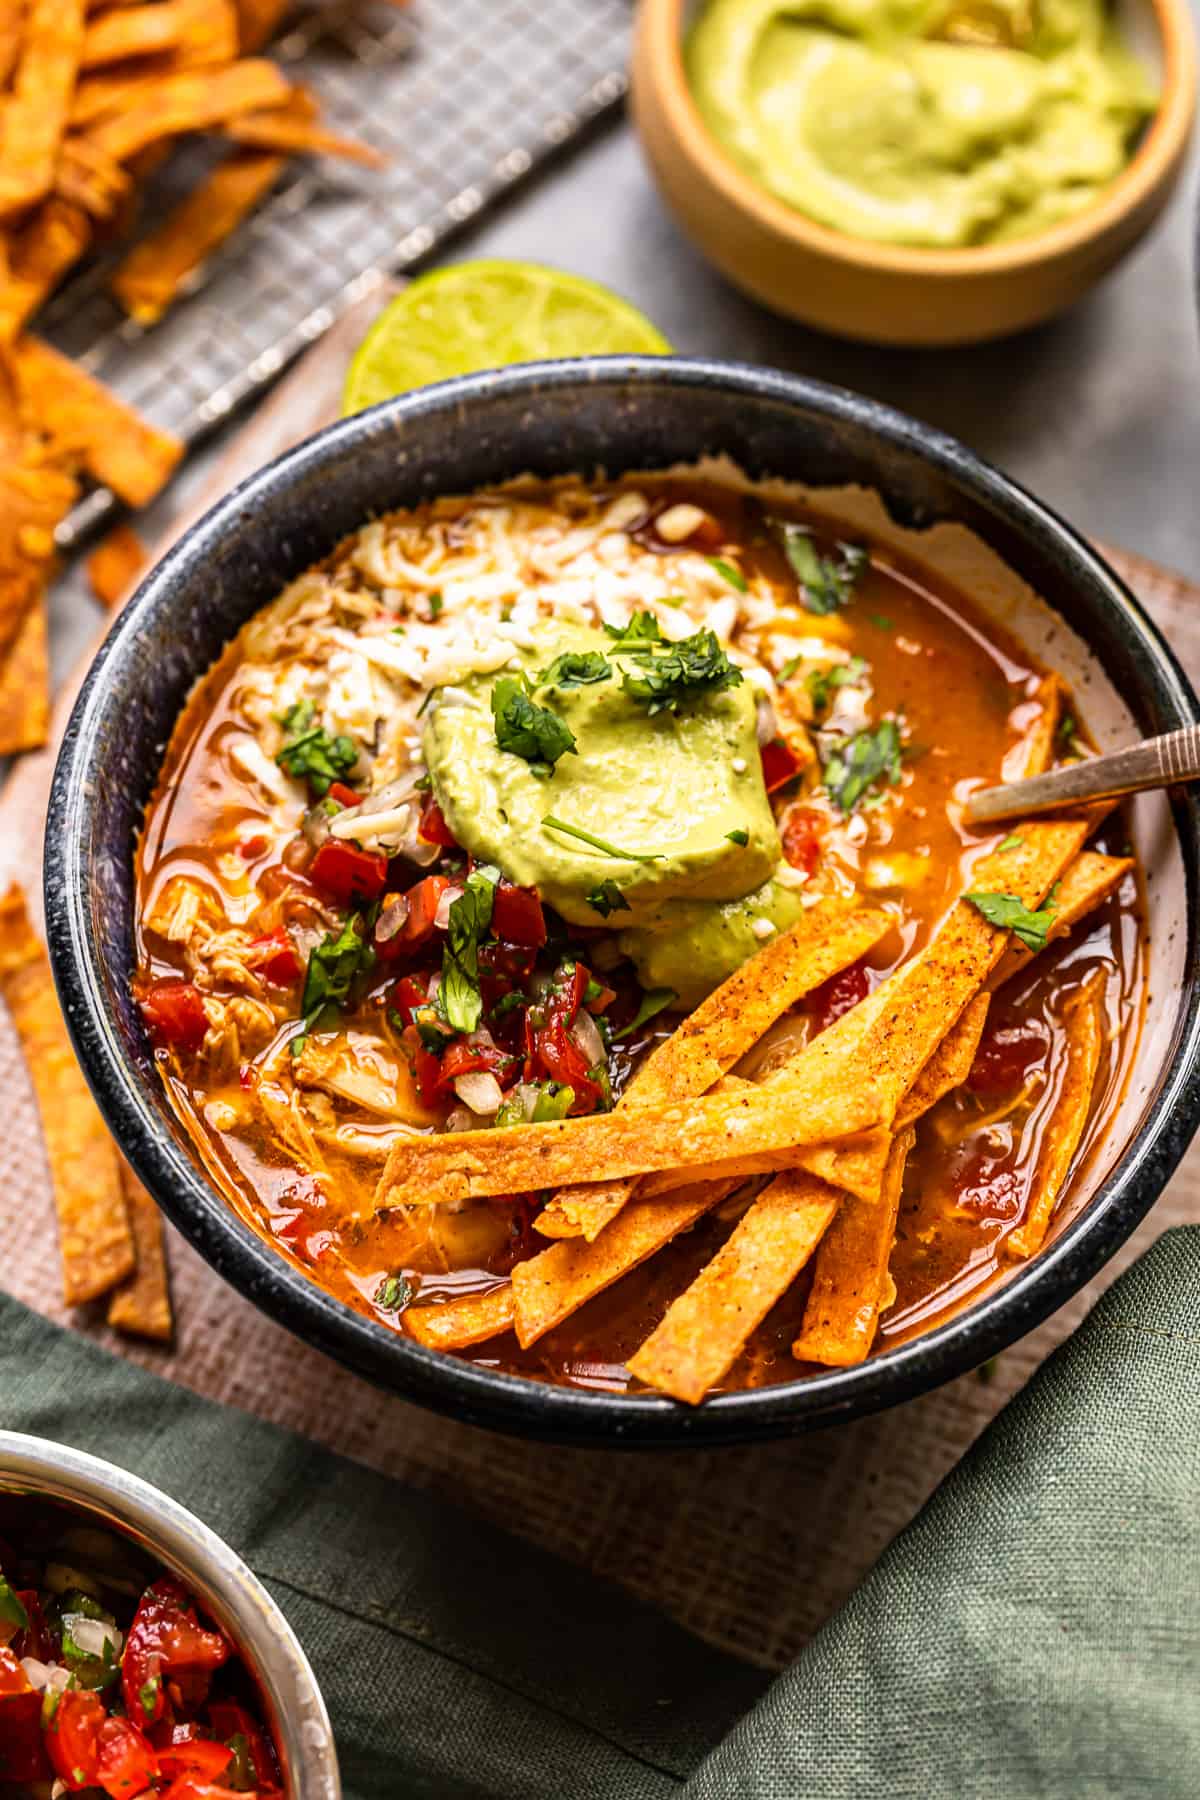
[[113, 1682]]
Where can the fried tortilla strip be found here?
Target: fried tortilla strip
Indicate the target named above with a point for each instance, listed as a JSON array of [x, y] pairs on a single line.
[[750, 1130], [558, 1280], [1088, 882], [47, 244], [25, 687], [194, 101], [34, 496], [141, 1306], [460, 1323], [115, 564], [1083, 1021], [90, 178], [34, 118], [139, 31], [211, 42], [854, 1163], [705, 1330], [1033, 753], [720, 1032], [96, 1242], [12, 31], [949, 1065], [851, 1272], [282, 131], [259, 20], [117, 446]]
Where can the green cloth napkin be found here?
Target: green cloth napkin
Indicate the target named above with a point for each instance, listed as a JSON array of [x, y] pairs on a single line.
[[1035, 1632]]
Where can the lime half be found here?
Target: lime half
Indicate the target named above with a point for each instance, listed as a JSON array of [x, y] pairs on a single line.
[[483, 315]]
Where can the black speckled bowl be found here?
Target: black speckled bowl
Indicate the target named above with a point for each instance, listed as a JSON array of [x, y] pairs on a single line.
[[615, 414]]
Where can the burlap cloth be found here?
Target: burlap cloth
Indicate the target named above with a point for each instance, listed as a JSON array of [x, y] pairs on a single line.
[[752, 1548]]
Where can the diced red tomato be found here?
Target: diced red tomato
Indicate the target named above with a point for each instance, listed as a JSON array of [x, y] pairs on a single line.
[[1007, 1056], [174, 1014], [462, 1057], [555, 1051], [517, 915], [779, 765], [251, 847], [801, 836], [426, 1067], [126, 1763], [345, 796], [22, 1753], [837, 995], [275, 958], [189, 1753], [601, 1002], [166, 1641], [73, 1739], [418, 928], [346, 873], [228, 1720], [407, 996], [432, 826]]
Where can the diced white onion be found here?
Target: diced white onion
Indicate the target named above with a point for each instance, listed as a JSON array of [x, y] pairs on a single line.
[[390, 920], [480, 1091], [762, 928], [41, 1676], [679, 522], [586, 1034], [91, 1635], [442, 916]]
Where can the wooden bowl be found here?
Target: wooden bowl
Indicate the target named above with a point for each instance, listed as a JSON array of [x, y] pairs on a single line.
[[888, 294]]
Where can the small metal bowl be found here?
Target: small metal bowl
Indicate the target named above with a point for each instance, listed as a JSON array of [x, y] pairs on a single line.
[[165, 1531]]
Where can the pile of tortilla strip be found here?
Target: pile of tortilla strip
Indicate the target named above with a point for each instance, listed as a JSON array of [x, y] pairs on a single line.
[[93, 95], [831, 1128], [110, 1232]]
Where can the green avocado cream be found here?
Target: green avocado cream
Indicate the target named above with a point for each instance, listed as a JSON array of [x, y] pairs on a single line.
[[931, 122], [673, 793]]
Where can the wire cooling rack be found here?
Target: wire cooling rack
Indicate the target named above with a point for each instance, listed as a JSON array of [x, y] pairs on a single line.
[[464, 97]]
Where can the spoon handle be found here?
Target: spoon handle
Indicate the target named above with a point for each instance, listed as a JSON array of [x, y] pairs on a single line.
[[1156, 762]]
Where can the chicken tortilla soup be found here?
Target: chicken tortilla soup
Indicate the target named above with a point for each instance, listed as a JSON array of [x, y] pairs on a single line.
[[560, 936]]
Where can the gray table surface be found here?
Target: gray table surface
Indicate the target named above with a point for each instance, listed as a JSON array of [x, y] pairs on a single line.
[[1098, 412]]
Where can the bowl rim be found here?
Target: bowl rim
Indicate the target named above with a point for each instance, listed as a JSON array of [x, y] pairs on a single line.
[[658, 62], [515, 1403], [174, 1536]]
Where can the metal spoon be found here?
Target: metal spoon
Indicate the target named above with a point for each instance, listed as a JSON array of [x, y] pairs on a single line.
[[1156, 762]]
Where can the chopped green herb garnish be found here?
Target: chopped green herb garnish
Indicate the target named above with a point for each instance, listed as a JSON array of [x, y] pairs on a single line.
[[822, 684], [533, 732], [654, 1001], [732, 575], [459, 1000], [393, 1293], [333, 966], [608, 899], [1068, 731], [399, 631], [856, 764], [148, 1695], [1011, 914], [241, 1773], [740, 836], [826, 582], [638, 638], [554, 1102], [1012, 842], [310, 754], [693, 667], [436, 603], [599, 843], [575, 668], [510, 1112], [880, 621], [509, 1002], [12, 1612]]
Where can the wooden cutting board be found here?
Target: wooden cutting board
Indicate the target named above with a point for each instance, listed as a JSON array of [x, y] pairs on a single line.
[[752, 1548]]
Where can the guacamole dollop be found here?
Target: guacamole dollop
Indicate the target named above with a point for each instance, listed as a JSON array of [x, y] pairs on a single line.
[[941, 123], [678, 797]]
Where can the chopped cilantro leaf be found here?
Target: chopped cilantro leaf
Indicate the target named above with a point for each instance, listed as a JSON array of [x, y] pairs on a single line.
[[436, 603], [333, 966], [826, 582], [533, 732], [148, 1695], [310, 754], [638, 638], [575, 668], [599, 843], [880, 621], [740, 836], [608, 899], [856, 764], [693, 667], [12, 1612], [1012, 842], [732, 575], [1010, 913], [393, 1293], [823, 683], [459, 1000], [654, 1001]]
